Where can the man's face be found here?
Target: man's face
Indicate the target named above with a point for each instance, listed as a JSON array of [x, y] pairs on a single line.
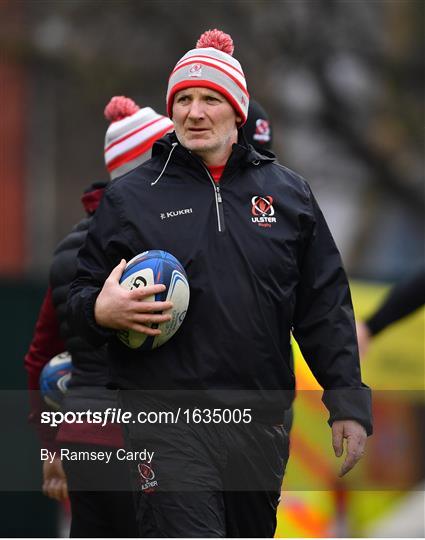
[[205, 123]]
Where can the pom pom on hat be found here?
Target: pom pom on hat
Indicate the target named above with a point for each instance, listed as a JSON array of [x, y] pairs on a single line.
[[211, 65], [216, 39], [131, 135], [120, 107]]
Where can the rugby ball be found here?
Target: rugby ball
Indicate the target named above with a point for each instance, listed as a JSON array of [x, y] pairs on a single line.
[[152, 268], [54, 379]]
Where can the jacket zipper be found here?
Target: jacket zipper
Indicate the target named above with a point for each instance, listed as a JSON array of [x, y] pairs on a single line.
[[218, 202]]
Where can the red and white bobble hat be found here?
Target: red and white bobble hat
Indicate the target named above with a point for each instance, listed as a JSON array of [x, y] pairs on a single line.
[[211, 65], [129, 138]]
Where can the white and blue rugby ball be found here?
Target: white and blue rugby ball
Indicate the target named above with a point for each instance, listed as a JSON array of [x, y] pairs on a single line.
[[152, 268], [54, 379]]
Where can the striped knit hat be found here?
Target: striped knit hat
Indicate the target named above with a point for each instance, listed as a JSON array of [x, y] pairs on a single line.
[[211, 65], [129, 138]]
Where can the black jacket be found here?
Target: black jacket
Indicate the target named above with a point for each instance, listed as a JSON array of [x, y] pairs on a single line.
[[260, 261], [90, 370]]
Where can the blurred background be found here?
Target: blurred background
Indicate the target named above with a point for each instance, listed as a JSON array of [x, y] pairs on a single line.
[[343, 83]]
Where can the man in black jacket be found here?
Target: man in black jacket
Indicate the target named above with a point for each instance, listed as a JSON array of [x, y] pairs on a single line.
[[261, 262]]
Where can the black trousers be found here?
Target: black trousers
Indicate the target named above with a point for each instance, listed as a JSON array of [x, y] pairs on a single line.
[[102, 502], [206, 480]]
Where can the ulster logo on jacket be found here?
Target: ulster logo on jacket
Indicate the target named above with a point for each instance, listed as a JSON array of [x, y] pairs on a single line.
[[262, 211]]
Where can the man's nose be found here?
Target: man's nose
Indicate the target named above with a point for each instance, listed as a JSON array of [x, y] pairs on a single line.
[[196, 111]]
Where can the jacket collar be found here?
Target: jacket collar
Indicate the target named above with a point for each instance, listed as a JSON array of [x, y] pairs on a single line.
[[242, 155], [92, 196]]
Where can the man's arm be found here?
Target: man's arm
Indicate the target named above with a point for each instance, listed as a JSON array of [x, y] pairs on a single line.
[[403, 299], [46, 344], [55, 485], [325, 331], [97, 304]]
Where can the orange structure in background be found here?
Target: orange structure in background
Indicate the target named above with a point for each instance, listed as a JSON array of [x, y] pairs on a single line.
[[13, 157]]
